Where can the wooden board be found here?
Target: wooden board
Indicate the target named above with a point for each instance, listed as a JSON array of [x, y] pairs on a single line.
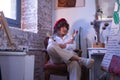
[[4, 23]]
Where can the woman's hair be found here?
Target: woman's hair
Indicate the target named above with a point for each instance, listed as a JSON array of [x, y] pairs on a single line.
[[60, 23]]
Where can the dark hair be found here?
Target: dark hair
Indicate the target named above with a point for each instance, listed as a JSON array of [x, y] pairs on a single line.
[[61, 24]]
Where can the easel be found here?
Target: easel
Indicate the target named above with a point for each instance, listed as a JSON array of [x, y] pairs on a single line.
[[4, 25]]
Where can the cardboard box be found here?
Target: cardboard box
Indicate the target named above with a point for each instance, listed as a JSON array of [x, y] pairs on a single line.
[[98, 45]]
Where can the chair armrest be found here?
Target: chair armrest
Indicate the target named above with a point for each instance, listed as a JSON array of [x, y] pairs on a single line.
[[43, 50], [78, 51]]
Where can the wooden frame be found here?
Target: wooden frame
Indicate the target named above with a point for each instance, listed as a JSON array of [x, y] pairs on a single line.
[[4, 24], [69, 3]]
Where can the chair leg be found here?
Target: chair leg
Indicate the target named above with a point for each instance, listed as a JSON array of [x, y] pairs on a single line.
[[67, 77], [47, 75]]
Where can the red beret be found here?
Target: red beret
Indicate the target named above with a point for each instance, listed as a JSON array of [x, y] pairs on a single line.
[[58, 21]]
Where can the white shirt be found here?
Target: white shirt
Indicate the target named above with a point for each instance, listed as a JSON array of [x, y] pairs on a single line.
[[64, 40]]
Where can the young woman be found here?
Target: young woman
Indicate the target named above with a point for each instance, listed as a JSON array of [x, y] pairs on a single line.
[[60, 49]]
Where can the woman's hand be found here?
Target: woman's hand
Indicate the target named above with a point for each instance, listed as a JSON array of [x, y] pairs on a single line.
[[70, 42], [62, 46]]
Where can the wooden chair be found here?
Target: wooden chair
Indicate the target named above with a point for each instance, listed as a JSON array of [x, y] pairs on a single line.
[[55, 69]]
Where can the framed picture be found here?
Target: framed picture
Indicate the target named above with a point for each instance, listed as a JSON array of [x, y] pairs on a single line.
[[105, 8], [69, 3]]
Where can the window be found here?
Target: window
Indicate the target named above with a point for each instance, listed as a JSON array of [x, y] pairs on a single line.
[[12, 11]]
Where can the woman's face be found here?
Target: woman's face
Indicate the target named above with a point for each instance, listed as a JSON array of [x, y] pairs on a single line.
[[63, 31]]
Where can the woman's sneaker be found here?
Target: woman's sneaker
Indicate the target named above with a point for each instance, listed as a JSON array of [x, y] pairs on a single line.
[[87, 62]]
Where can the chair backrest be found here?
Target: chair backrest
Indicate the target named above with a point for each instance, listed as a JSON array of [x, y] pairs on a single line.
[[45, 45], [46, 42]]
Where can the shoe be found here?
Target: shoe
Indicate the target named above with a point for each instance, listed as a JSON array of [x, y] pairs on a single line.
[[87, 62]]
